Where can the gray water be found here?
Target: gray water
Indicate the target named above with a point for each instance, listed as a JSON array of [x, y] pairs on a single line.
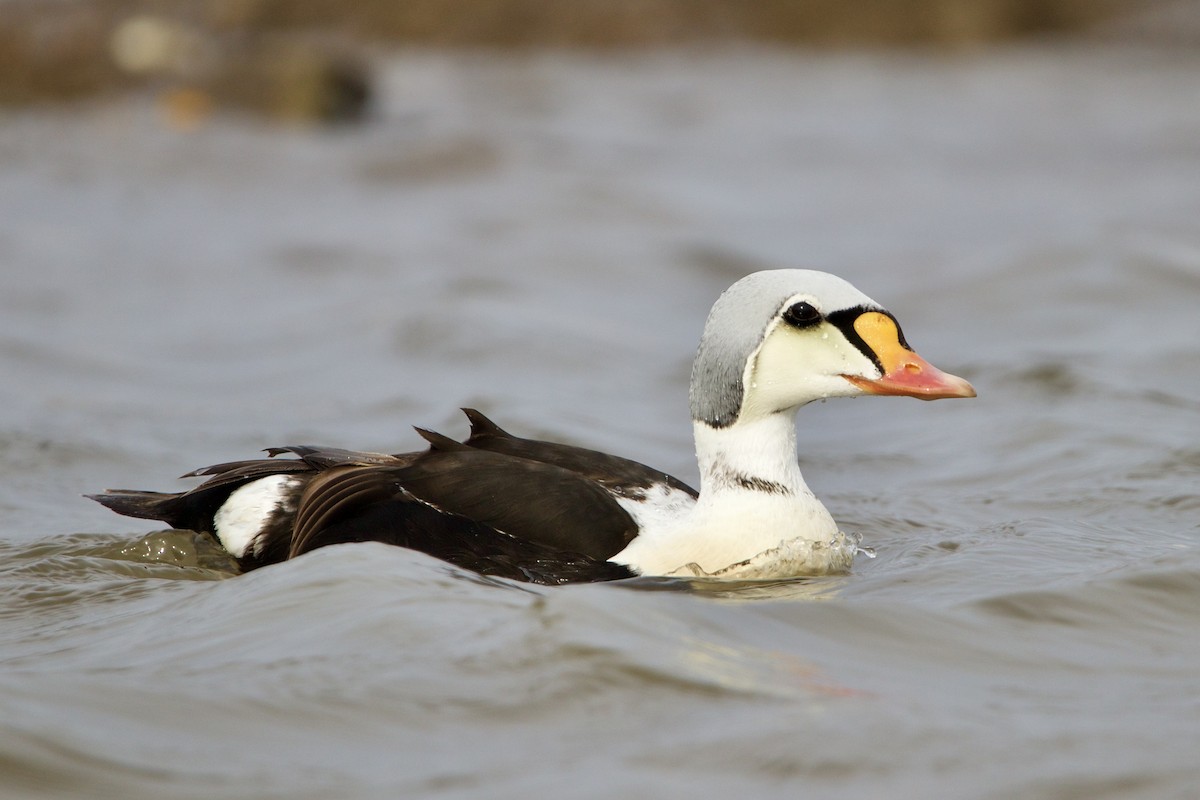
[[541, 237]]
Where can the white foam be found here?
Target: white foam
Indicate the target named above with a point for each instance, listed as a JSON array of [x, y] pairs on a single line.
[[797, 557]]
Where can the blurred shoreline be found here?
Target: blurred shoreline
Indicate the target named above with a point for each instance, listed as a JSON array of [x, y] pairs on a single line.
[[310, 61]]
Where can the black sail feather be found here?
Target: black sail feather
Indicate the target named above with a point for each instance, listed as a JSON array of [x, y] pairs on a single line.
[[620, 475]]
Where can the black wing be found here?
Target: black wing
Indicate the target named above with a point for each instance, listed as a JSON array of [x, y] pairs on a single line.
[[363, 504], [532, 500]]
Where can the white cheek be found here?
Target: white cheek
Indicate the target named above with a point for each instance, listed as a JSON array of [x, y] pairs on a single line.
[[792, 368], [248, 509]]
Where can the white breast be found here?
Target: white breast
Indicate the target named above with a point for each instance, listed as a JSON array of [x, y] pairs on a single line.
[[736, 526]]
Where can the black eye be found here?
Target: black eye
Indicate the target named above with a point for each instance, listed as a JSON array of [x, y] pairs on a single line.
[[802, 315]]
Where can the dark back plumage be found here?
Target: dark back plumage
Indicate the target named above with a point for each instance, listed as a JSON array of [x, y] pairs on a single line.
[[620, 476]]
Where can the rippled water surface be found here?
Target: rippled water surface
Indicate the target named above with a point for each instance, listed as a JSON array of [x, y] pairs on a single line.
[[541, 237]]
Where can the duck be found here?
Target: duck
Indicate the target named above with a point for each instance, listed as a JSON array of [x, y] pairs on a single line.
[[551, 513]]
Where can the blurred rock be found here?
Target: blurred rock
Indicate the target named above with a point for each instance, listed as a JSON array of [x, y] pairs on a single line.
[[148, 45], [186, 109], [1171, 22], [69, 50], [53, 52], [277, 57], [290, 78], [297, 78], [602, 23]]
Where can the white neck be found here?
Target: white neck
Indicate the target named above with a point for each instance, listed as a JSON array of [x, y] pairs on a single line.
[[752, 498], [757, 455]]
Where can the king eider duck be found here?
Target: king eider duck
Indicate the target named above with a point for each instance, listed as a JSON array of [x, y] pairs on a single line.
[[553, 513]]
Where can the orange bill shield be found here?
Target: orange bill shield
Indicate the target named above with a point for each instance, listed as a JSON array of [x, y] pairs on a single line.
[[905, 373]]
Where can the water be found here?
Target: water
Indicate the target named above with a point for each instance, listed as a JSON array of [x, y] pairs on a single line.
[[541, 236]]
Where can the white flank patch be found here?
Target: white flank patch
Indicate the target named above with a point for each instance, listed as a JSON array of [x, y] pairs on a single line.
[[246, 512], [663, 507]]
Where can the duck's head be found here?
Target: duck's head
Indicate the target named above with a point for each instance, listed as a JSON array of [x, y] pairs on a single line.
[[778, 339]]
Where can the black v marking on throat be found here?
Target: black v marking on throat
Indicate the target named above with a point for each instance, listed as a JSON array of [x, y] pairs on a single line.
[[731, 477]]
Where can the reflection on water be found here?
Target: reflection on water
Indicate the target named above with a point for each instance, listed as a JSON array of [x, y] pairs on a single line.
[[819, 588], [177, 548], [540, 236]]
